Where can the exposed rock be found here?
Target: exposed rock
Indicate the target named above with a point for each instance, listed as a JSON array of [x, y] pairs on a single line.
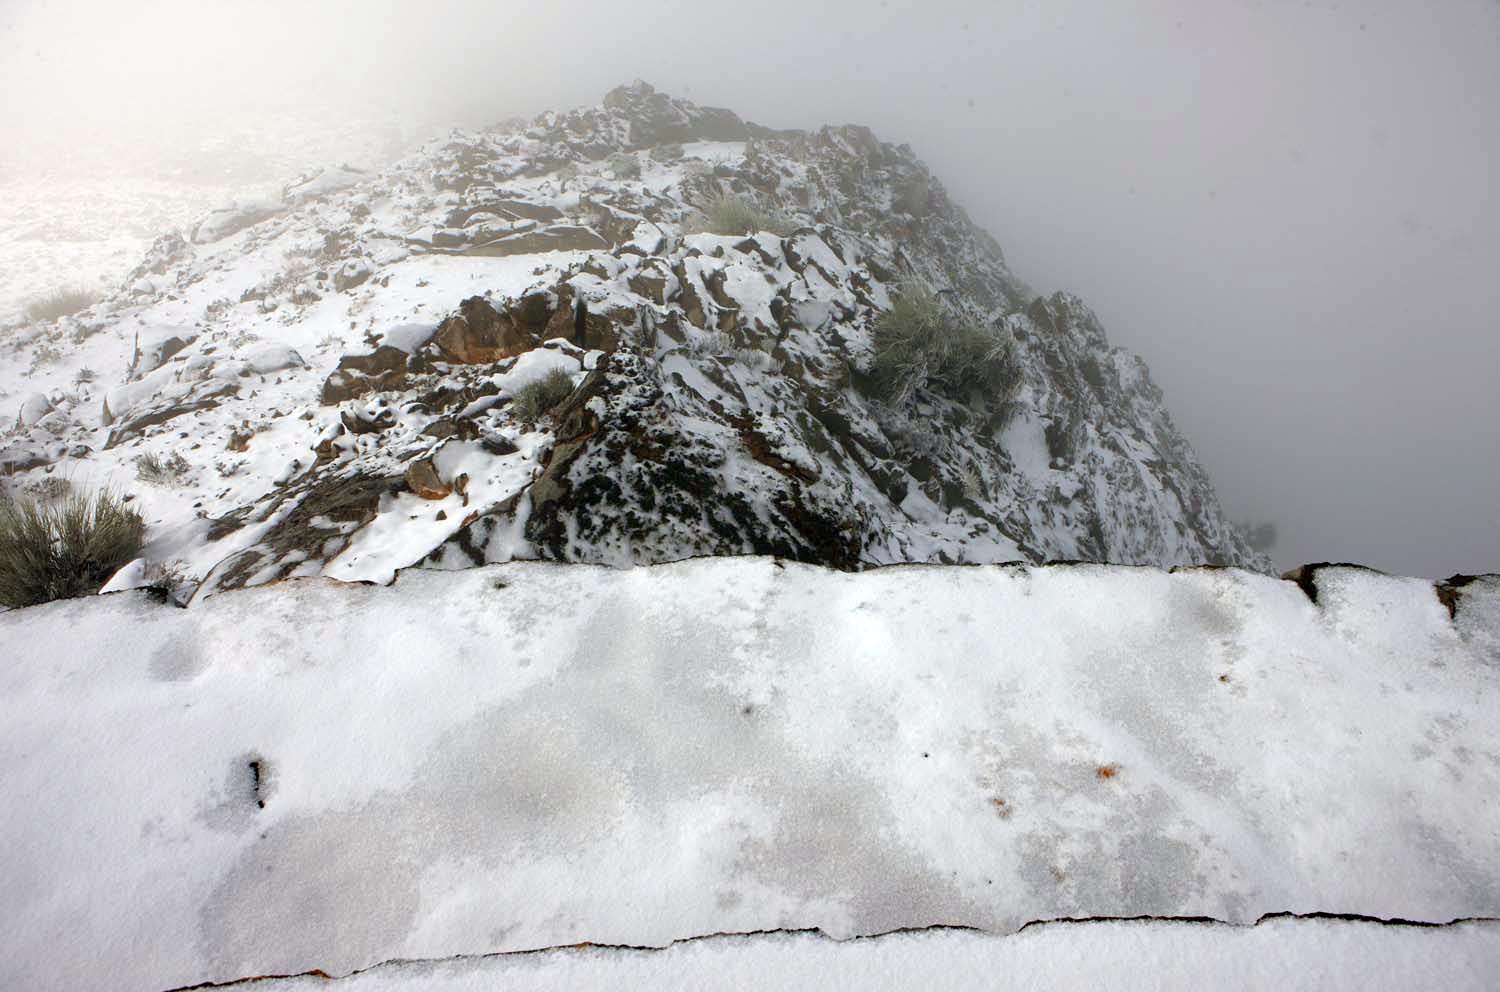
[[313, 521], [232, 219], [565, 237], [349, 275], [464, 430], [356, 375], [22, 456], [656, 118], [422, 478], [479, 334], [731, 401], [1450, 592], [154, 416], [507, 209], [322, 183], [155, 345], [369, 419]]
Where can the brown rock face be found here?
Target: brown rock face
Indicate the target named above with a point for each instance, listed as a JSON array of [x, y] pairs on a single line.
[[422, 478], [563, 237], [384, 368], [479, 334]]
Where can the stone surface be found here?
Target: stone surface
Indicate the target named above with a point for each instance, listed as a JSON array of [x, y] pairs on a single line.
[[422, 478]]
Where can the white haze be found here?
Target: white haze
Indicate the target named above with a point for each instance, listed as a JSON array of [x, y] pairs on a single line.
[[1289, 209]]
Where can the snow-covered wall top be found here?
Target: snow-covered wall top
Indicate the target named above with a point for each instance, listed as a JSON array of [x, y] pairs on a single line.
[[336, 370], [325, 775]]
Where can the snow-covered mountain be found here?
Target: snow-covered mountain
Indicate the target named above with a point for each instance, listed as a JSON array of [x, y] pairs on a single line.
[[325, 382]]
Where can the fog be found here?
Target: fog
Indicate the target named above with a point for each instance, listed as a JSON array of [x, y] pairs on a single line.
[[1289, 209]]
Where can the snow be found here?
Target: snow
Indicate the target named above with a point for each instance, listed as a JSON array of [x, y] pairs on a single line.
[[324, 182], [408, 337], [131, 576], [531, 755], [273, 358], [270, 308], [1280, 953], [235, 217], [33, 409]]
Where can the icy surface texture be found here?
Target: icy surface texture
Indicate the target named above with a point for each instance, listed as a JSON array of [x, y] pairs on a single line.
[[326, 775]]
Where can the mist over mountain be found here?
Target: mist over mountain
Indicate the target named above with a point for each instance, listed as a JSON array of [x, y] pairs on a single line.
[[641, 495], [1284, 209], [633, 333]]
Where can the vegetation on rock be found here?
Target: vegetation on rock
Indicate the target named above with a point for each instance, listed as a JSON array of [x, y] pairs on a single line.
[[918, 343], [161, 471], [729, 214], [537, 397]]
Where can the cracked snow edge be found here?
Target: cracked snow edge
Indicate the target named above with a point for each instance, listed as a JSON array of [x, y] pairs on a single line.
[[814, 931]]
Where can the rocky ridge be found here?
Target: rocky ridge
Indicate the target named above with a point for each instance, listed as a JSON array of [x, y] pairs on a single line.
[[339, 371]]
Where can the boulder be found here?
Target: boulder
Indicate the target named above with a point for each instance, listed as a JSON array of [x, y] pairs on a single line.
[[155, 345], [479, 334], [273, 358], [349, 275], [33, 409], [321, 183], [232, 219], [422, 478], [155, 416], [384, 368], [464, 430], [23, 455], [369, 418]]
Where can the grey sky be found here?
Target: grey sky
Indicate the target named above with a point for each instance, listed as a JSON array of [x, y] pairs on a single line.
[[1289, 209]]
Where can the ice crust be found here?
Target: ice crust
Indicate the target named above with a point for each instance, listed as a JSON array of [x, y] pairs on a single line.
[[531, 755]]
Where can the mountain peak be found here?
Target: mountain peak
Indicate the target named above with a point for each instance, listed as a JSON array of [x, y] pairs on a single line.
[[630, 333]]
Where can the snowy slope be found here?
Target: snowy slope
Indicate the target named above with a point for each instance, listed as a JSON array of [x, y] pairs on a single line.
[[326, 775], [310, 354]]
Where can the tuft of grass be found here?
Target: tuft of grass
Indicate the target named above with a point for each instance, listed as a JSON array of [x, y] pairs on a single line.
[[730, 214], [541, 395], [624, 165], [918, 344], [50, 487], [161, 471], [62, 302], [64, 549]]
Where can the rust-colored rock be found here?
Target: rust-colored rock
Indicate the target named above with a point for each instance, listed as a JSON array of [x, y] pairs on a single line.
[[422, 478], [479, 334]]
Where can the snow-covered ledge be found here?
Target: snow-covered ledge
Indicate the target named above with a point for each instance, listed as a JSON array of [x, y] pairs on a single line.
[[321, 775]]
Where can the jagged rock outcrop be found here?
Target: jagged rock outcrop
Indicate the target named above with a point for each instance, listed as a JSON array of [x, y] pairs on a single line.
[[726, 397]]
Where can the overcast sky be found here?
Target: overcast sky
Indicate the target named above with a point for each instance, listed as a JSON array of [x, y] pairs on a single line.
[[1289, 209]]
